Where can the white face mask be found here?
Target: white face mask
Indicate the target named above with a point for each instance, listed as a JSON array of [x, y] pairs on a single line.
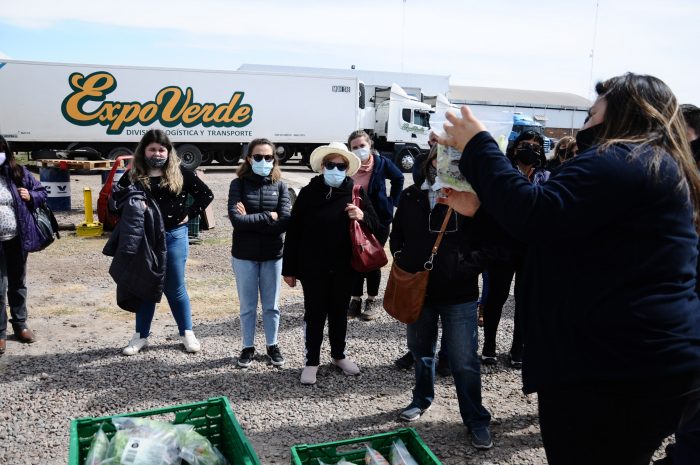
[[3, 157], [362, 153]]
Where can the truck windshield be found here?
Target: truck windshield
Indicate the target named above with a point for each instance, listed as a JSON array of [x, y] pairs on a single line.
[[421, 118]]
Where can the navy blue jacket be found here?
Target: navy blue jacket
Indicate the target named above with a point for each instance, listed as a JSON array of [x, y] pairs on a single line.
[[376, 189], [609, 275], [26, 224], [256, 236]]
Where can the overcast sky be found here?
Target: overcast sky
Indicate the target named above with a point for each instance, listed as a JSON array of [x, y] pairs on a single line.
[[543, 45]]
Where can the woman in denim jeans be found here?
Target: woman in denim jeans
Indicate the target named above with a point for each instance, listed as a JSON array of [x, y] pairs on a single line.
[[156, 169], [258, 207], [451, 296]]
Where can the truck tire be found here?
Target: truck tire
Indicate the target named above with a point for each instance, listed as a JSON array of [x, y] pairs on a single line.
[[292, 196], [284, 153], [405, 159], [228, 158], [190, 156], [207, 157], [118, 151]]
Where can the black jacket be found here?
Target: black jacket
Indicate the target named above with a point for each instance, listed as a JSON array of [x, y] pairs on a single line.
[[318, 237], [610, 272], [467, 246], [138, 247], [256, 236]]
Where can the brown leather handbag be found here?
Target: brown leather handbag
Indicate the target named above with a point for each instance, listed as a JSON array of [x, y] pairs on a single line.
[[367, 252], [405, 292]]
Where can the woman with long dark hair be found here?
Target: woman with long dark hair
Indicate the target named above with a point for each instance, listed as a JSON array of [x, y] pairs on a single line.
[[157, 175], [20, 193], [612, 319]]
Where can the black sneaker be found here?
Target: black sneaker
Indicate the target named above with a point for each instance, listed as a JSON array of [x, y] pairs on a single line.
[[355, 308], [246, 357], [405, 362], [516, 361], [372, 310], [488, 359], [481, 438], [275, 355], [443, 367]]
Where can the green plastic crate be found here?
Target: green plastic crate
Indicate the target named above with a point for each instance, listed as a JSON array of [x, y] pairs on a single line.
[[211, 418], [353, 450]]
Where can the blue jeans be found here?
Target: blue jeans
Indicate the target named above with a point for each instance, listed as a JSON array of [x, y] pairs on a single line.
[[263, 278], [175, 291], [459, 337]]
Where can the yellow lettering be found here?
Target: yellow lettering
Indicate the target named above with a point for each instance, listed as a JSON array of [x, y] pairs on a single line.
[[86, 89], [207, 112], [235, 98], [172, 104], [242, 114], [130, 111], [148, 113], [191, 113]]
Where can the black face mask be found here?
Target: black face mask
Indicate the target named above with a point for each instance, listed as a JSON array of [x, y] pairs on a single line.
[[527, 156], [695, 149], [587, 138]]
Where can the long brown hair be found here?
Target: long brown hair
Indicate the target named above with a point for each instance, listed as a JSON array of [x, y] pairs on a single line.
[[244, 169], [642, 110], [16, 171], [172, 176]]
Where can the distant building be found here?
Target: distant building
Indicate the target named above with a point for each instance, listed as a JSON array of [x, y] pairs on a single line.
[[561, 113]]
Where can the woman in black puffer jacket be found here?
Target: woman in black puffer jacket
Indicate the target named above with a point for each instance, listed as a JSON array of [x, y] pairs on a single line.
[[258, 206]]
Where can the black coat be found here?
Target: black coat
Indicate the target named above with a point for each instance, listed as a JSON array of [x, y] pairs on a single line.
[[609, 277], [468, 245], [318, 237], [256, 236], [138, 247]]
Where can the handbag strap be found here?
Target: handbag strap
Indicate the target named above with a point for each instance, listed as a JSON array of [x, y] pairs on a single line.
[[429, 264], [356, 199]]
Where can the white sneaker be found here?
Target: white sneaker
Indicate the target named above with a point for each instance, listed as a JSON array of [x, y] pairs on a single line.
[[191, 343], [348, 366], [308, 374], [135, 344]]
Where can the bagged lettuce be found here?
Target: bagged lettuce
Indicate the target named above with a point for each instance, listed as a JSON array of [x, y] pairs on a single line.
[[98, 449], [139, 441], [373, 457], [195, 449], [400, 454]]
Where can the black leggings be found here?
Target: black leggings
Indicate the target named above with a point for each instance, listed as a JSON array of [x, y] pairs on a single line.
[[325, 296], [500, 277]]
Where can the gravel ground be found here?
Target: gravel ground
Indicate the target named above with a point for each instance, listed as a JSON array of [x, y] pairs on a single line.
[[76, 369]]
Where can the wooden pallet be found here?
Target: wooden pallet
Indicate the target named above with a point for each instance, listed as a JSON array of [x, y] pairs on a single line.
[[76, 164]]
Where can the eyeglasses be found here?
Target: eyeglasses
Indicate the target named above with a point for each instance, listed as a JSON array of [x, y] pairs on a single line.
[[529, 145], [258, 157], [329, 165]]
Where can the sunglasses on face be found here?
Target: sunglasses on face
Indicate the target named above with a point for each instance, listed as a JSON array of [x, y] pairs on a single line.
[[329, 165], [257, 157], [528, 145]]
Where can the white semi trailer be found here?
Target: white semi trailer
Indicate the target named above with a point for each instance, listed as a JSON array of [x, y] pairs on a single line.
[[101, 111]]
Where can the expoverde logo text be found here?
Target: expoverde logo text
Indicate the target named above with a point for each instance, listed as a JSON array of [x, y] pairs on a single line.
[[171, 107]]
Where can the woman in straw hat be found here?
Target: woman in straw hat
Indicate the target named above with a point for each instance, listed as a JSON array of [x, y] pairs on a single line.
[[317, 252]]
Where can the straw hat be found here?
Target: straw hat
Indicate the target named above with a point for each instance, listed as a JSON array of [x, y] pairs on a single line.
[[338, 148]]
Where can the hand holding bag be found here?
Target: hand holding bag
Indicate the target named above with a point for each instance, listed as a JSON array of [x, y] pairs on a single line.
[[405, 292], [367, 252]]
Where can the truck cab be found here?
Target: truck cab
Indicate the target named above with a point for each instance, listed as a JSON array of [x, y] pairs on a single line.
[[522, 123], [401, 126]]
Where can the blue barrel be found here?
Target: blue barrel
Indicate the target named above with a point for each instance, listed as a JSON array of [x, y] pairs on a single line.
[[57, 184]]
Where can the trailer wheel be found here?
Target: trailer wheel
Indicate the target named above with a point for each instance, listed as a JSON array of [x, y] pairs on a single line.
[[292, 196], [228, 158], [284, 153], [118, 151], [207, 157], [406, 159], [190, 156]]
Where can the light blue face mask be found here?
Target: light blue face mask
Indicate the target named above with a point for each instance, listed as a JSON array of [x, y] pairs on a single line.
[[262, 167], [334, 177]]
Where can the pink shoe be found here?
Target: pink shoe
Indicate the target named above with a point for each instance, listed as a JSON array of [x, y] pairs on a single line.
[[348, 366]]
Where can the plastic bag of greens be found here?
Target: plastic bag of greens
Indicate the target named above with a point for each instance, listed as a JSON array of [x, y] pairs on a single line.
[[139, 441], [400, 454], [98, 448], [195, 449], [373, 457]]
